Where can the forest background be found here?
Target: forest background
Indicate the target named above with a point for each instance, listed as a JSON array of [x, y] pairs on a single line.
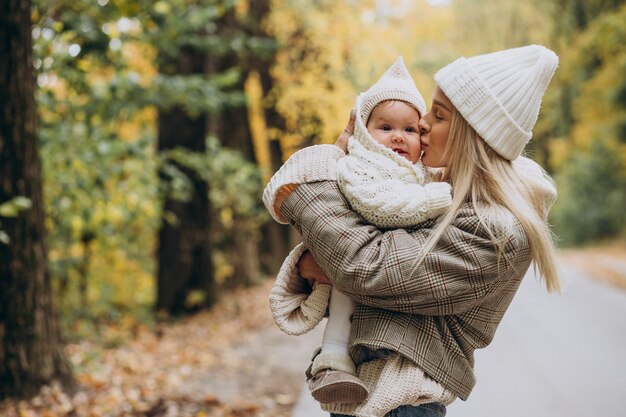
[[159, 123]]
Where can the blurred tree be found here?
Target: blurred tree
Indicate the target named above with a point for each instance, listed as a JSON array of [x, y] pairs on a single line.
[[586, 180], [266, 125], [31, 353], [251, 126], [569, 21], [312, 90], [184, 34], [590, 153], [482, 28], [99, 88], [184, 253], [96, 135], [204, 63], [230, 123]]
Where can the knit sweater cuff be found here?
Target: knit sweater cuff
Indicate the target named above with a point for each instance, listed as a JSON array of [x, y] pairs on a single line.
[[295, 307], [439, 196], [311, 164]]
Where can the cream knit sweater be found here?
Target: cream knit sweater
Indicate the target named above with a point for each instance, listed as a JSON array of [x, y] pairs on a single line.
[[386, 189]]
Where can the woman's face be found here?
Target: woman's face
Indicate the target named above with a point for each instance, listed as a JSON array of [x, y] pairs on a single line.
[[434, 128]]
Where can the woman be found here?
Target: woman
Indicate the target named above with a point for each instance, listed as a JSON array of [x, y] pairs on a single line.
[[428, 297]]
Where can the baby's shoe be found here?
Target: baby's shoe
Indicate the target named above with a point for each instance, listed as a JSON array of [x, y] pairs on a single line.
[[332, 379]]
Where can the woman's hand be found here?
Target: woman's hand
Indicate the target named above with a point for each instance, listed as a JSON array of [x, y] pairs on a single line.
[[342, 140], [310, 270]]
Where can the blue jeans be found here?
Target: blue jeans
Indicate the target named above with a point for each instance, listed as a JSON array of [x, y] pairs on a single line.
[[424, 410]]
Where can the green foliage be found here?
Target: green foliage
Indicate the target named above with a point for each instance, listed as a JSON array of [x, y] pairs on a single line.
[[98, 148], [195, 93], [592, 197], [235, 183], [12, 208], [97, 66], [235, 187], [583, 121], [576, 15], [179, 24]]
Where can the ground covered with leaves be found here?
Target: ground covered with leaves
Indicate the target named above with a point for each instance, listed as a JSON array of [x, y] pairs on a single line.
[[229, 362], [605, 263]]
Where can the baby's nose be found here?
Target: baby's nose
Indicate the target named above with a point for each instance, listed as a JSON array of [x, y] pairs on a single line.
[[397, 137]]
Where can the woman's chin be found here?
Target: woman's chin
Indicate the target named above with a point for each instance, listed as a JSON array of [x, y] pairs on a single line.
[[432, 164]]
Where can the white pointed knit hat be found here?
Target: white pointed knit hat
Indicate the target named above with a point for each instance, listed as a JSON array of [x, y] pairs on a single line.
[[499, 94], [395, 84]]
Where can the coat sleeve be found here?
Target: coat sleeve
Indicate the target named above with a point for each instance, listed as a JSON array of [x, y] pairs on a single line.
[[378, 267]]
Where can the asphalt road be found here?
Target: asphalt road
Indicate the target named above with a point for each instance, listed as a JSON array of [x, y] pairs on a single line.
[[553, 356]]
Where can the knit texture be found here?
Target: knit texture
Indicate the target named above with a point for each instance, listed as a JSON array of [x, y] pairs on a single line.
[[392, 382], [314, 163], [395, 84], [386, 189], [294, 309], [499, 94]]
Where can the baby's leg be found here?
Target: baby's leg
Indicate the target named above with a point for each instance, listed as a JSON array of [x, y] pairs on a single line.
[[332, 373], [337, 331]]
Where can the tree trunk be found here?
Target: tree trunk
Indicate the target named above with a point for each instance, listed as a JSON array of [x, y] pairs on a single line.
[[231, 125], [185, 279], [31, 353], [276, 239], [245, 268]]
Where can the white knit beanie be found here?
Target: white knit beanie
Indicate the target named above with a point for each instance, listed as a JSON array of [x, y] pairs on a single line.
[[395, 84], [499, 94]]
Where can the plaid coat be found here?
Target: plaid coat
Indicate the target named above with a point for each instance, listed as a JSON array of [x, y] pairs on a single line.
[[436, 316]]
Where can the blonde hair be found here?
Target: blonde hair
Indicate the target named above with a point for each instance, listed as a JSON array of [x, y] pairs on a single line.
[[495, 189]]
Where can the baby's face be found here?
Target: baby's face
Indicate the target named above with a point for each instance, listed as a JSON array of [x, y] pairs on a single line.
[[394, 124]]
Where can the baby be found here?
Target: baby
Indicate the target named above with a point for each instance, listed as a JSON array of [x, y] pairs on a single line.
[[386, 184]]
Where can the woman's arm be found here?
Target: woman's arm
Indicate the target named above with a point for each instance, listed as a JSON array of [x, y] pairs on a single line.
[[376, 267]]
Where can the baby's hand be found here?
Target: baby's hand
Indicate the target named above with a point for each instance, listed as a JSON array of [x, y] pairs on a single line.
[[309, 269]]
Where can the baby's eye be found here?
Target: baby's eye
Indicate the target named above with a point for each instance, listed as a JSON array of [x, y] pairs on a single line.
[[386, 128], [410, 130]]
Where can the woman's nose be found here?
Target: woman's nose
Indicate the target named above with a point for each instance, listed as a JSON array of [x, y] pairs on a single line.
[[423, 125]]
